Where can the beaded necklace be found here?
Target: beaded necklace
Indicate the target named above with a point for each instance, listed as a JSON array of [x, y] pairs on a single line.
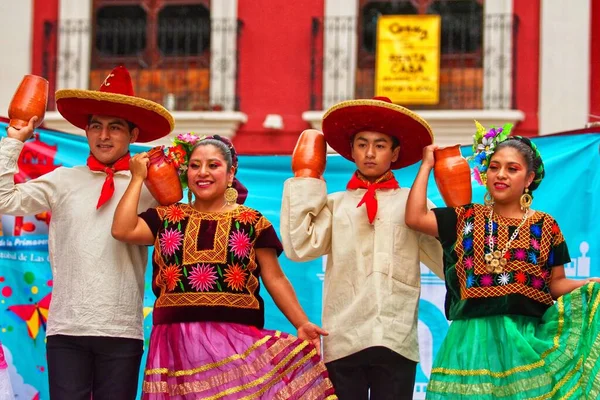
[[494, 260]]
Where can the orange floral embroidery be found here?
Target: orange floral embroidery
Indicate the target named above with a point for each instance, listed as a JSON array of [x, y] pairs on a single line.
[[174, 214], [235, 277], [247, 217], [171, 276]]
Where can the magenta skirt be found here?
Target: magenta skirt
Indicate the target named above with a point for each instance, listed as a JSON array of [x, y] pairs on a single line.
[[6, 391], [211, 360]]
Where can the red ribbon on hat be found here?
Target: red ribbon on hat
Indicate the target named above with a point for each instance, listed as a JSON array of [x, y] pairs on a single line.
[[387, 181], [108, 188]]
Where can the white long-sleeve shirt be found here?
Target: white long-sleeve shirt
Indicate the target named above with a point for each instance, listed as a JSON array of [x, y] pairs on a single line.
[[98, 282], [373, 275]]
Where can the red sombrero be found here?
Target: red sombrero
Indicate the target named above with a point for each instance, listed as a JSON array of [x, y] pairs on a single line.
[[342, 121], [116, 99]]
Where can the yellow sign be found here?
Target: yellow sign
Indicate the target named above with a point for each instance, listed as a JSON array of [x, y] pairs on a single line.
[[407, 66]]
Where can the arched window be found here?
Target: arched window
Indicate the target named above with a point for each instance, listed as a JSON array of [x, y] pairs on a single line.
[[120, 31], [183, 30], [165, 44]]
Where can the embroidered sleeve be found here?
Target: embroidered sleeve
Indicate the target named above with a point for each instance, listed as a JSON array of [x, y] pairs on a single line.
[[151, 218], [446, 221], [266, 236], [559, 252]]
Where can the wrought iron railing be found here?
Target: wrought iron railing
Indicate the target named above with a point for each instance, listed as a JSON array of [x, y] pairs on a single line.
[[476, 69], [174, 68]]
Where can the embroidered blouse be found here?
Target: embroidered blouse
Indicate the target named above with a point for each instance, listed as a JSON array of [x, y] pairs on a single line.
[[205, 266], [522, 287]]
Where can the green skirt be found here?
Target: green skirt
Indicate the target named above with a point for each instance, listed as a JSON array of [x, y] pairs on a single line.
[[518, 357]]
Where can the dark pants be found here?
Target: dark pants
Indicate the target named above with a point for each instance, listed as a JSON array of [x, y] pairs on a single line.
[[387, 374], [80, 367]]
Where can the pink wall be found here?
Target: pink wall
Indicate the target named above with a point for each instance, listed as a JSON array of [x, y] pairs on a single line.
[[44, 11], [274, 74], [595, 61]]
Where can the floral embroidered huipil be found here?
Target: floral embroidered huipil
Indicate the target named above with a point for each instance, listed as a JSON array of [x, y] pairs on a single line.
[[204, 264], [522, 288]]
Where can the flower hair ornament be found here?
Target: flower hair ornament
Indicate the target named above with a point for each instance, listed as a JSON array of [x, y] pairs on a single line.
[[181, 150], [484, 145]]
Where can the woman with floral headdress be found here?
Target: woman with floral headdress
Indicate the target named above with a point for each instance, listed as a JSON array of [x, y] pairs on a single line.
[[504, 266], [208, 340]]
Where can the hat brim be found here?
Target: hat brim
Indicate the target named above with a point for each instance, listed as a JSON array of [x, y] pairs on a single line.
[[153, 120], [342, 121]]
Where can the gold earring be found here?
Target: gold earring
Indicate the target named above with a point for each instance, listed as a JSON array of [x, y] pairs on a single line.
[[231, 195], [525, 200], [488, 199], [189, 197]]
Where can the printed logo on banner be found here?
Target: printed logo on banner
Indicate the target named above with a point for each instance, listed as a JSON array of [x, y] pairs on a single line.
[[579, 267]]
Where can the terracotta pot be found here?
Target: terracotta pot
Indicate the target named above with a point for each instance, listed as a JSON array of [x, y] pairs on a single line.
[[452, 176], [163, 180], [30, 99], [308, 158]]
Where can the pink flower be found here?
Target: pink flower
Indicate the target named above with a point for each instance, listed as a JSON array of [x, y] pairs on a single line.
[[537, 282], [520, 254], [240, 244], [487, 280], [477, 176], [493, 132], [490, 241], [188, 137], [170, 241], [535, 244], [202, 277], [469, 262]]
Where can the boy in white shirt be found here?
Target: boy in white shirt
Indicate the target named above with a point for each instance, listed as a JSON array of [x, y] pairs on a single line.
[[95, 323], [372, 278]]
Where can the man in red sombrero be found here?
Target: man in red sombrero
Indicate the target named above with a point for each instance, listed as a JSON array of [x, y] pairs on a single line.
[[372, 278], [94, 332]]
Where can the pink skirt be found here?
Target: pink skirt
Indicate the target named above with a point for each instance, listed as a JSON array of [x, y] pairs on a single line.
[[211, 360], [6, 391]]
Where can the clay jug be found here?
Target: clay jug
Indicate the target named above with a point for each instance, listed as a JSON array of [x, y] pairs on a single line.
[[308, 158], [30, 99], [452, 176], [163, 180]]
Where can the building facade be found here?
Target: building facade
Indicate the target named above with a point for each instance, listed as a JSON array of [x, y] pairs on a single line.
[[261, 71]]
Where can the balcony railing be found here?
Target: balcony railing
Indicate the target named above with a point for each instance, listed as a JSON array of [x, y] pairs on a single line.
[[175, 68], [476, 68]]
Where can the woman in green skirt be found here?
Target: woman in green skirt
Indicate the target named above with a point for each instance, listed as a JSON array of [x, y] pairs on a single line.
[[504, 266]]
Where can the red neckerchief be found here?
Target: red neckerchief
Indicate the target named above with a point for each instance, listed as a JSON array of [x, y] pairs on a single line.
[[108, 188], [386, 181]]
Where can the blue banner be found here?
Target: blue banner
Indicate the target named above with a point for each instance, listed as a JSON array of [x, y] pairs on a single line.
[[570, 192]]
